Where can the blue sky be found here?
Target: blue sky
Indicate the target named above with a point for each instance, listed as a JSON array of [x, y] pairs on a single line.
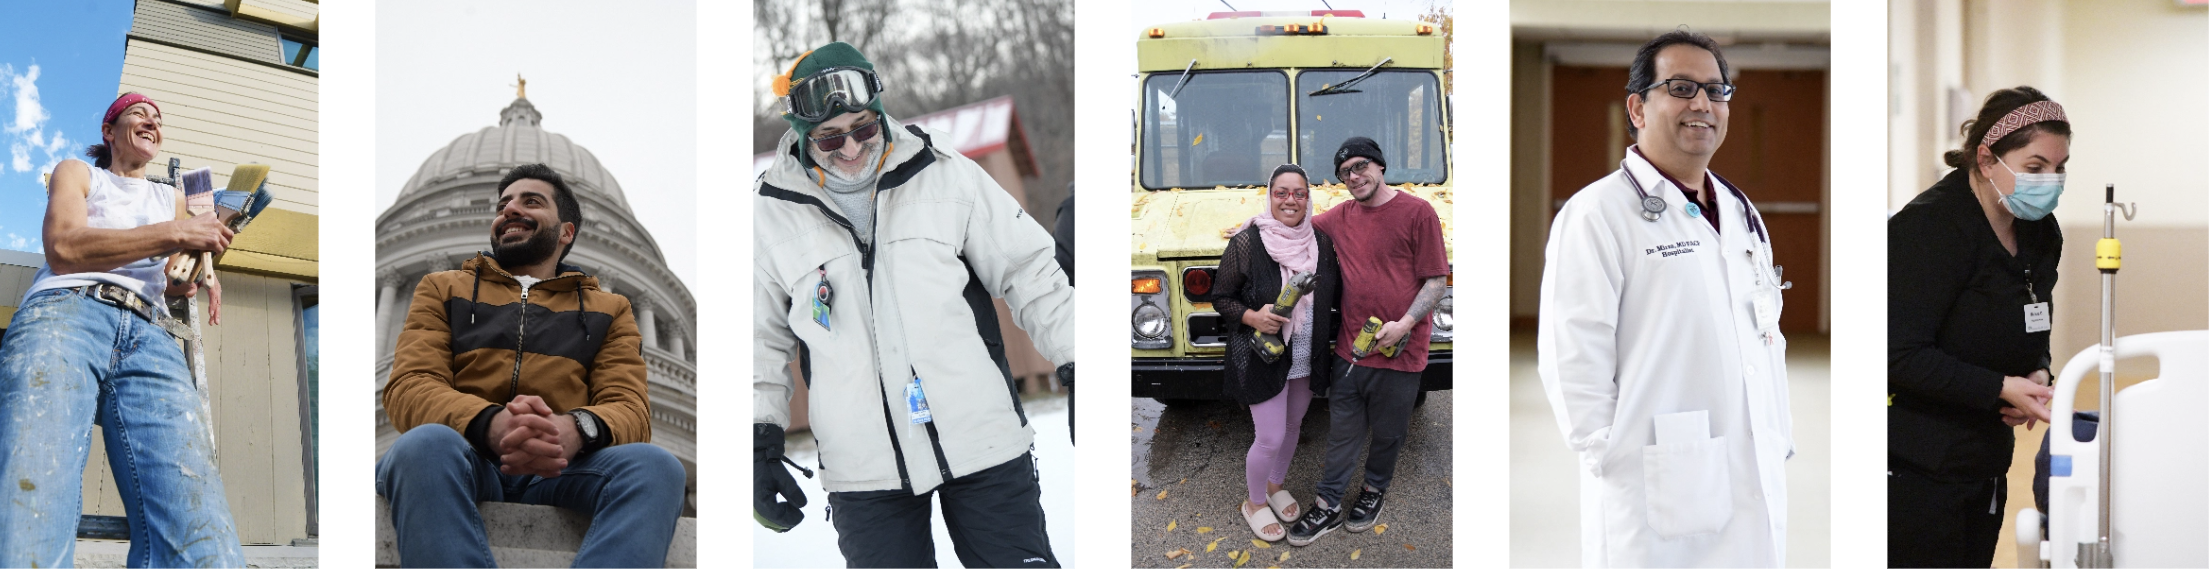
[[59, 67]]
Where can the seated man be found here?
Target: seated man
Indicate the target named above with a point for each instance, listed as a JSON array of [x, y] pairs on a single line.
[[516, 379]]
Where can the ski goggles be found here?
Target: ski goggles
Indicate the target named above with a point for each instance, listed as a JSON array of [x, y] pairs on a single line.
[[834, 91]]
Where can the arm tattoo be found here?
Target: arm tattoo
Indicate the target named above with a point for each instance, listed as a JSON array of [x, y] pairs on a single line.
[[1432, 292]]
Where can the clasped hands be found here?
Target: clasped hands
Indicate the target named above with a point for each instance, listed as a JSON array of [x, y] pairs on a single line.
[[2030, 398], [531, 439]]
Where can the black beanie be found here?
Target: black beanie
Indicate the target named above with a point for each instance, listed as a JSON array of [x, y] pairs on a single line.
[[1359, 146]]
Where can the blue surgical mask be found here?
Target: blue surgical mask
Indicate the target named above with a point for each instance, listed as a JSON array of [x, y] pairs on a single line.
[[2033, 195]]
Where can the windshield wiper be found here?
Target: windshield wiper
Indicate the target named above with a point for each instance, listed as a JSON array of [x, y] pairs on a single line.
[[1179, 81], [1343, 88]]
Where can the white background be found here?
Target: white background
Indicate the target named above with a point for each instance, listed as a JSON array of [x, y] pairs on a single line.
[[1105, 59]]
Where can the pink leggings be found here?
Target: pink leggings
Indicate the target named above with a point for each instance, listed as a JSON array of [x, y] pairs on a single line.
[[1275, 437]]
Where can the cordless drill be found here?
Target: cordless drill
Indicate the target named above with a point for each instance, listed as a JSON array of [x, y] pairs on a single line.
[[1271, 344]]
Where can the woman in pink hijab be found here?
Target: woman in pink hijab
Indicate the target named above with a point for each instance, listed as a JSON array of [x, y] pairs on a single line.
[[1271, 249]]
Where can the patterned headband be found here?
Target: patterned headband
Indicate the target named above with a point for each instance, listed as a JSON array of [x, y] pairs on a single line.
[[2024, 116]]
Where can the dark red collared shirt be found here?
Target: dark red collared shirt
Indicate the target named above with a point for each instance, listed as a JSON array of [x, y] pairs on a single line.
[[1712, 215]]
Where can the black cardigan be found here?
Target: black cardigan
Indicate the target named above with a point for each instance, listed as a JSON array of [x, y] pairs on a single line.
[[1250, 278], [1957, 328]]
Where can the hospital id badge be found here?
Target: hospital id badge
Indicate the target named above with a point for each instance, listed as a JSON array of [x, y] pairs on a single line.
[[917, 406], [2038, 316]]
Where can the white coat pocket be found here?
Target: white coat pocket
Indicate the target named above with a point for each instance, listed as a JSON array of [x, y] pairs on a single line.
[[1686, 486]]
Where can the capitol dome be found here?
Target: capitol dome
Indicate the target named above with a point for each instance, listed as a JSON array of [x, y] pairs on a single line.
[[443, 217]]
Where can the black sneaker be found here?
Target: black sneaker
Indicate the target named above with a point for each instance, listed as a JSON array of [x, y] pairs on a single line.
[[1314, 523], [1365, 510]]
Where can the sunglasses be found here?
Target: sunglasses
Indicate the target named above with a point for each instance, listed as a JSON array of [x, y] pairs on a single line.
[[863, 133]]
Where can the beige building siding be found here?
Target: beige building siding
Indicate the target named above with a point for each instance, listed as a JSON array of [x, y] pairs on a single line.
[[204, 29], [218, 112]]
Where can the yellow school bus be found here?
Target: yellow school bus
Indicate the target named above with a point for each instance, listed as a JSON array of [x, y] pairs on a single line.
[[1222, 102]]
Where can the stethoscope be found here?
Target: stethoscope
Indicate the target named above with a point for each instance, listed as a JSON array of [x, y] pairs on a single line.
[[1655, 206]]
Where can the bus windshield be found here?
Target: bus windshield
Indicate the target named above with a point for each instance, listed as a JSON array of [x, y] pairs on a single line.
[[1223, 129], [1396, 108]]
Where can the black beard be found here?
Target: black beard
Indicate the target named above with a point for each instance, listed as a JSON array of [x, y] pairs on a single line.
[[543, 244]]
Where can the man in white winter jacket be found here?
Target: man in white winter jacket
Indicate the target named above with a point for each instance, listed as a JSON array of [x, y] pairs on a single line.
[[876, 256], [1657, 337]]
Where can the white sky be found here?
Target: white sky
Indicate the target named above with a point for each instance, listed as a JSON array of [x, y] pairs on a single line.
[[616, 79]]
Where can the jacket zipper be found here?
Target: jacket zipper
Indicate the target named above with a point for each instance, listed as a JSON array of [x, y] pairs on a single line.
[[514, 383]]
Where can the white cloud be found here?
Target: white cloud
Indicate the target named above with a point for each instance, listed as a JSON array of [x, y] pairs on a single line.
[[18, 242], [27, 125], [29, 114]]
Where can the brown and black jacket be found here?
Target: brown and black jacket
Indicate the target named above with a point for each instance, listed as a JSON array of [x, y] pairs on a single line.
[[474, 340]]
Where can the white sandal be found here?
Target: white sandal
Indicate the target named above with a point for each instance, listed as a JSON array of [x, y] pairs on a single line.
[[1259, 521], [1285, 506]]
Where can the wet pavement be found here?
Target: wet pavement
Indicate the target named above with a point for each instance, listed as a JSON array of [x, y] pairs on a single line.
[[1194, 453]]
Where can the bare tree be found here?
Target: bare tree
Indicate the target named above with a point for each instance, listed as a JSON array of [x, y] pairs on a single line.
[[939, 55]]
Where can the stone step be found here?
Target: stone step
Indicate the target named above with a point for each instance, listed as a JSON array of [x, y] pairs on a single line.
[[113, 554], [533, 536]]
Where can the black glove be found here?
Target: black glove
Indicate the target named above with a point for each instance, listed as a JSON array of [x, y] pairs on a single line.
[[1067, 379], [770, 479]]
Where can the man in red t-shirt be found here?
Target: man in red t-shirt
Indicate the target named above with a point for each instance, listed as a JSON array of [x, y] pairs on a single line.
[[1391, 247]]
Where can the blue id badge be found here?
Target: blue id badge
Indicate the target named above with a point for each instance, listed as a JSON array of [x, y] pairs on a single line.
[[822, 299], [917, 406]]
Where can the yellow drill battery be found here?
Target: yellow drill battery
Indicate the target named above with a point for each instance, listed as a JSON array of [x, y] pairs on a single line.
[[1271, 345], [1366, 342]]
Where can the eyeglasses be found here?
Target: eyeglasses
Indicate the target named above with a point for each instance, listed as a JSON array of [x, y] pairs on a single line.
[[1687, 89], [863, 133], [1360, 165], [1300, 193]]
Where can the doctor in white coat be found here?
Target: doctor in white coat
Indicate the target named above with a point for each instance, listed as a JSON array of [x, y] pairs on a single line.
[[1657, 339]]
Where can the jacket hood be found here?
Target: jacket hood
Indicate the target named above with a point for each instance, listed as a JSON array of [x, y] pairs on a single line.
[[487, 268]]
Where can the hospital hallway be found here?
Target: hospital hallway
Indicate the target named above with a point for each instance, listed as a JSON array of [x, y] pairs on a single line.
[[1545, 518]]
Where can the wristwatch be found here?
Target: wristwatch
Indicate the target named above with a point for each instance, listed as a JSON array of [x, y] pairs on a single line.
[[588, 427]]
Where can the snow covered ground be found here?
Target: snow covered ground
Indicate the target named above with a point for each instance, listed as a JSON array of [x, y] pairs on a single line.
[[813, 544]]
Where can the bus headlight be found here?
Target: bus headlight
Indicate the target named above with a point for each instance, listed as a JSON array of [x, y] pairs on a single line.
[[1148, 322], [1440, 320]]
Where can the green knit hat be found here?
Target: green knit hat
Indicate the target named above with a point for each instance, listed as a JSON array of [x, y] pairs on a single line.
[[836, 54]]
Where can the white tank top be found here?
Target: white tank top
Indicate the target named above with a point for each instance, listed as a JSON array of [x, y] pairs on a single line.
[[118, 202]]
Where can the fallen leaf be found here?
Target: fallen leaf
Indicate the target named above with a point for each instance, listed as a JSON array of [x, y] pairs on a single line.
[[1178, 553], [1210, 545], [1285, 556], [1355, 553], [1170, 526], [1162, 496], [1408, 546], [1379, 528], [1182, 567], [1213, 424], [1261, 543], [1205, 529], [1182, 481], [1243, 558]]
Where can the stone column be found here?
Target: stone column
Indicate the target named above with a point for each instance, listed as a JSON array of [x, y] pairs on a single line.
[[646, 321], [387, 289], [677, 337]]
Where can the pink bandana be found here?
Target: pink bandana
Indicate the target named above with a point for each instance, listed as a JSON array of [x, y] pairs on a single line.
[[2024, 116], [124, 102]]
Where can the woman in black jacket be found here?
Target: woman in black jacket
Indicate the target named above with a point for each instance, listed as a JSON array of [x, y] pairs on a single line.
[[1271, 249], [1972, 262]]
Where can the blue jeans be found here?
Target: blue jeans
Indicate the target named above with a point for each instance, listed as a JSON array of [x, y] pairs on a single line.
[[69, 362], [433, 480]]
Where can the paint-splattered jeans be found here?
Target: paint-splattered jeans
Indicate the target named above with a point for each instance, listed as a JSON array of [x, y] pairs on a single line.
[[433, 480], [69, 362]]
